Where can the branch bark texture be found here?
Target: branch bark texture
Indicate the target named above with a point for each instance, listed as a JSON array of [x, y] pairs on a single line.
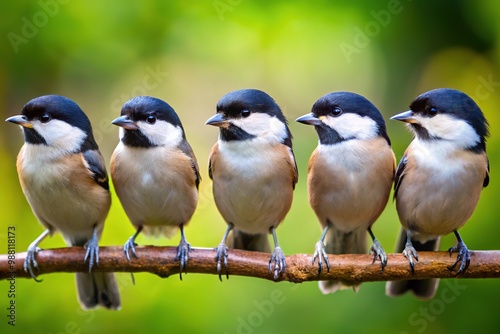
[[350, 267]]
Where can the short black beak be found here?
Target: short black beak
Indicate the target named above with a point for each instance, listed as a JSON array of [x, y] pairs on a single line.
[[309, 119], [125, 123]]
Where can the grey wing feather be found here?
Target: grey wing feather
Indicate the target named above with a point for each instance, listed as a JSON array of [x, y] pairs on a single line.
[[295, 180], [210, 169], [96, 165], [186, 149], [398, 177]]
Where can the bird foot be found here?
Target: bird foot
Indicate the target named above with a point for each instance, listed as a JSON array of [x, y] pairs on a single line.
[[183, 256], [92, 252], [463, 257], [130, 247], [221, 258], [30, 261], [411, 253], [320, 254], [278, 258], [378, 252]]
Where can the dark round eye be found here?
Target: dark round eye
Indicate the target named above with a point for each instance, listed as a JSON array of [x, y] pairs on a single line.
[[45, 118], [432, 111], [245, 113], [336, 111], [151, 119]]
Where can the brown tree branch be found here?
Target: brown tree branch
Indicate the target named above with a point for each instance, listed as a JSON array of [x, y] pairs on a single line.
[[350, 267]]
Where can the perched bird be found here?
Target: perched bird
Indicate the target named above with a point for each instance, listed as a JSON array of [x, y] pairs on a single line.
[[439, 178], [154, 172], [350, 177], [64, 179], [253, 171]]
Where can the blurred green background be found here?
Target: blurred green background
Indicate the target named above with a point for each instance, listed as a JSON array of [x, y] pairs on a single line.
[[101, 53]]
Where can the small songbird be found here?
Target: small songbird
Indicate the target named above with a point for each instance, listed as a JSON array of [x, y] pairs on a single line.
[[155, 172], [439, 179], [350, 177], [254, 173], [64, 179]]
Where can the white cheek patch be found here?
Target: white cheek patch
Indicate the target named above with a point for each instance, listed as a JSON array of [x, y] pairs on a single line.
[[458, 131], [60, 135], [161, 133], [265, 127], [351, 125]]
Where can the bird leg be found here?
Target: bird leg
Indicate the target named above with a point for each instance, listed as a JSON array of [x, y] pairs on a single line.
[[320, 252], [130, 244], [183, 252], [222, 252], [30, 260], [410, 252], [278, 257], [377, 250], [92, 250], [463, 255]]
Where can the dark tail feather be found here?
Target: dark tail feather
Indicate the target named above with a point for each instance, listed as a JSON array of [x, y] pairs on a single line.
[[423, 289], [97, 289], [250, 242], [339, 242]]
